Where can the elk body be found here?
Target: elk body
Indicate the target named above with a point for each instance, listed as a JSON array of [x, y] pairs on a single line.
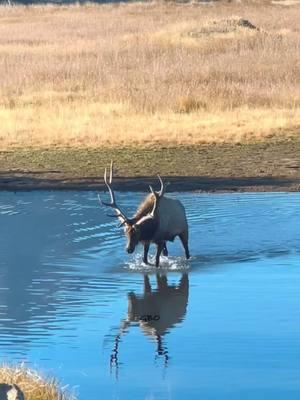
[[158, 219]]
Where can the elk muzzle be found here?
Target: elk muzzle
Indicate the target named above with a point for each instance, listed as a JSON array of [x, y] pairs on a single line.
[[130, 250], [133, 236]]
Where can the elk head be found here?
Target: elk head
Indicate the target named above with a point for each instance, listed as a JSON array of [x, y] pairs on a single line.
[[135, 230]]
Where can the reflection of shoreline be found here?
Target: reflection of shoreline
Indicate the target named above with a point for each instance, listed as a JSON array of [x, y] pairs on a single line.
[[26, 181], [155, 312]]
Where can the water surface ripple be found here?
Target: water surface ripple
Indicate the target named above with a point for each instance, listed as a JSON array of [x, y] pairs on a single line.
[[224, 325]]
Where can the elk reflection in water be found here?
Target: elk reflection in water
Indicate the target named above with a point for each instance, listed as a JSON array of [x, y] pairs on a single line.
[[155, 312]]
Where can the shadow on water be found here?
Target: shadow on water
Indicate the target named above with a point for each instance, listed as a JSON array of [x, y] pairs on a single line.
[[155, 312], [39, 180]]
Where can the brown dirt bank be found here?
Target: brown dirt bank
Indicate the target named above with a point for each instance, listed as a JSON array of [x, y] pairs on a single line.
[[272, 166]]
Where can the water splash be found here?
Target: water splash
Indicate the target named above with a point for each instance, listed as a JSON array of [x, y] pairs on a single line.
[[170, 263]]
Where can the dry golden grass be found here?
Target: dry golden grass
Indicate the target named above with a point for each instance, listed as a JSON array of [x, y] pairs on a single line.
[[32, 384], [142, 73]]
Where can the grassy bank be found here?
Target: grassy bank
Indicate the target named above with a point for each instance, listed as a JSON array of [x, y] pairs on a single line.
[[148, 73], [33, 386]]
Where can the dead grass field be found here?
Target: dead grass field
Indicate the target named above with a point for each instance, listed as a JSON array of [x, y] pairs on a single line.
[[33, 386], [148, 73]]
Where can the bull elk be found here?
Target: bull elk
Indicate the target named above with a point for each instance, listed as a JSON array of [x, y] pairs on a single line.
[[158, 219]]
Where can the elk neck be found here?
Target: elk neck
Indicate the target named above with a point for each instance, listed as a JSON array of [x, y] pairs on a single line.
[[147, 228]]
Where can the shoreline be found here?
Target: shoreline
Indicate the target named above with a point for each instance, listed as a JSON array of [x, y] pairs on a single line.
[[140, 184], [257, 167]]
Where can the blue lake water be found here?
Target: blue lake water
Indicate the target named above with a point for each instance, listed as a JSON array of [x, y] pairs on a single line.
[[226, 324]]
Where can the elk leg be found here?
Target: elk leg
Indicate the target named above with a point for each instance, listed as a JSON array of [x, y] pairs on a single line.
[[165, 250], [184, 240], [158, 253], [147, 285], [146, 249], [184, 284], [162, 282]]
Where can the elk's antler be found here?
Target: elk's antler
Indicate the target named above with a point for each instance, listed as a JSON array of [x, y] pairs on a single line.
[[161, 192], [156, 198], [119, 214], [162, 187]]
